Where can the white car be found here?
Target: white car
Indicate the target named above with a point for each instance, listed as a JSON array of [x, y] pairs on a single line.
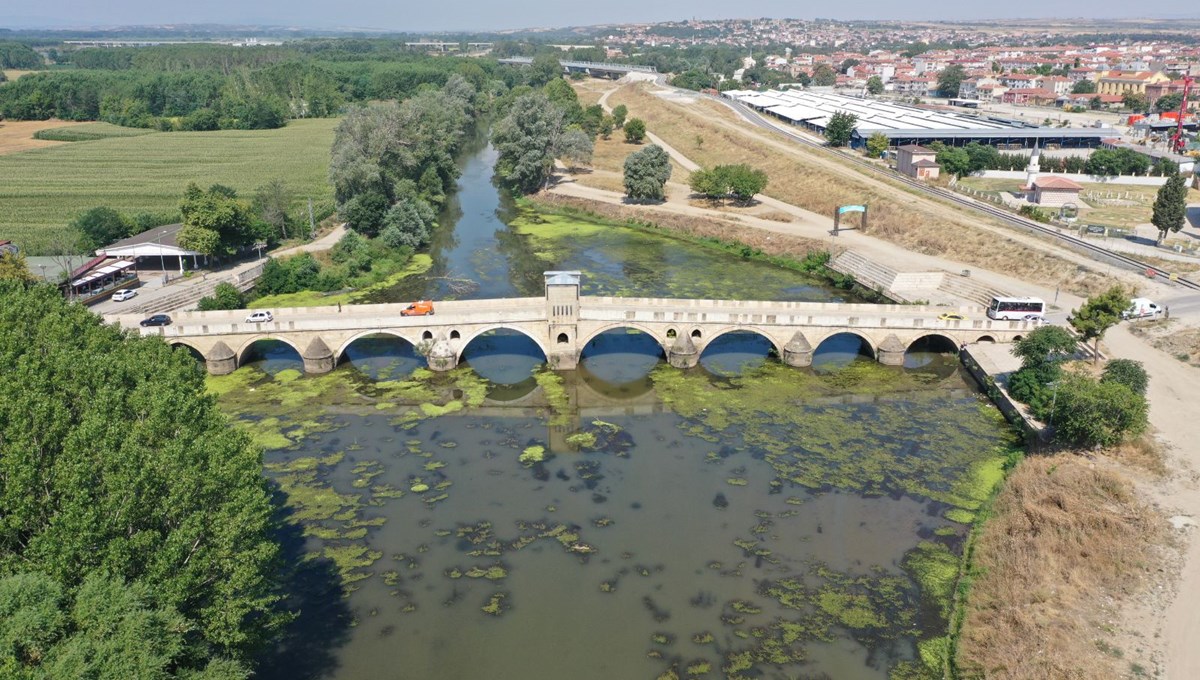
[[123, 295], [260, 317]]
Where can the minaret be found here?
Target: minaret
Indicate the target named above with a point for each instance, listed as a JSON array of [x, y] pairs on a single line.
[[1031, 172]]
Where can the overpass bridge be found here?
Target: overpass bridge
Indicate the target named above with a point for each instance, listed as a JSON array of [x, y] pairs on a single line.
[[563, 322], [591, 68]]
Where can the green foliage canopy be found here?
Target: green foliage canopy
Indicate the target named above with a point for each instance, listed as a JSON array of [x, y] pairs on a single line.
[[128, 494], [1170, 206], [840, 128], [635, 131], [646, 173], [1098, 314]]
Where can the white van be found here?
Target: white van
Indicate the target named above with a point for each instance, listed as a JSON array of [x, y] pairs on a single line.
[[1140, 308]]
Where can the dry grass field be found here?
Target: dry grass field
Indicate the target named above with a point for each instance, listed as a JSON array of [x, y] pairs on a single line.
[[710, 134], [1067, 540], [1114, 205], [17, 135]]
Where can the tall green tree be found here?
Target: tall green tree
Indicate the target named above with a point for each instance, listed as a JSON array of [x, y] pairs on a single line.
[[1096, 413], [575, 147], [14, 268], [824, 76], [99, 227], [954, 161], [216, 221], [840, 128], [271, 203], [1084, 86], [646, 173], [1135, 101], [877, 144], [545, 68], [1169, 102], [619, 112], [950, 79], [635, 131], [525, 140], [875, 85], [1098, 314], [1170, 207], [117, 464]]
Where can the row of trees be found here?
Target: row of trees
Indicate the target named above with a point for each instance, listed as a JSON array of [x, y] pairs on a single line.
[[154, 90], [137, 537], [975, 157], [741, 182], [1082, 410]]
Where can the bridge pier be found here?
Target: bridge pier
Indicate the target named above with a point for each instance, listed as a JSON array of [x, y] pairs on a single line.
[[683, 352], [318, 358], [220, 360], [442, 356], [891, 351], [798, 353]]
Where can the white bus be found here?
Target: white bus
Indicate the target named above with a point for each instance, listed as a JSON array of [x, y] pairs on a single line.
[[1016, 309]]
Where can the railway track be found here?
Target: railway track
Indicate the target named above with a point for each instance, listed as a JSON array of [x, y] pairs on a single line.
[[1078, 244]]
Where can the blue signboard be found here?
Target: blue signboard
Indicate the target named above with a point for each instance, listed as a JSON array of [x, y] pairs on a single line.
[[851, 208]]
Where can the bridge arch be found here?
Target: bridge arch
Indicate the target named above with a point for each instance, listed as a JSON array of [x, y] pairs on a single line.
[[192, 349], [241, 351], [943, 338], [466, 340], [341, 350], [866, 339], [710, 337], [584, 340]]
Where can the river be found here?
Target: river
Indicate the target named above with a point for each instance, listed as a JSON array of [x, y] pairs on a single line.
[[626, 520]]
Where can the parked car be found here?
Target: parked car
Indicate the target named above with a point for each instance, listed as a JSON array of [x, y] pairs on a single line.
[[123, 295], [260, 317], [157, 320], [951, 316], [418, 308]]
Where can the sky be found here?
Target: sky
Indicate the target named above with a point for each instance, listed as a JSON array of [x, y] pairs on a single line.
[[491, 15]]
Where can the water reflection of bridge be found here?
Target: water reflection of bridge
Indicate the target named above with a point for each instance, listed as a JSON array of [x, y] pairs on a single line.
[[563, 322]]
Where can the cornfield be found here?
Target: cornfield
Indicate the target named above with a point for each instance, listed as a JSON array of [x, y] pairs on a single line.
[[42, 190]]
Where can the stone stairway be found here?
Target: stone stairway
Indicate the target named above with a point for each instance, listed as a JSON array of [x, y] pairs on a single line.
[[188, 294], [866, 272], [968, 289], [931, 287]]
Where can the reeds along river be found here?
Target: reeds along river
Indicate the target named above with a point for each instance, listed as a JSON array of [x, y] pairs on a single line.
[[626, 520]]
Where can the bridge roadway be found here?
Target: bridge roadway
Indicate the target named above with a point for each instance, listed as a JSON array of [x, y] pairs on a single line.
[[563, 322], [592, 68]]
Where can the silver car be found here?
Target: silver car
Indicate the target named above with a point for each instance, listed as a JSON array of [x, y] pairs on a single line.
[[260, 317], [123, 295]]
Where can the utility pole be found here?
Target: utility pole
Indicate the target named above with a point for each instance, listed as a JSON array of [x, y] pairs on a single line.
[[312, 226]]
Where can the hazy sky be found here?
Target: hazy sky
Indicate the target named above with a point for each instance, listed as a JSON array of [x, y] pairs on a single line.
[[484, 15]]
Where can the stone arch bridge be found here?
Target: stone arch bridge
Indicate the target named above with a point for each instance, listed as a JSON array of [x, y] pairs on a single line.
[[562, 323]]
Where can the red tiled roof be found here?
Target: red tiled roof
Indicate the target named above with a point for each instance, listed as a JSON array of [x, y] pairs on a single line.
[[1057, 183]]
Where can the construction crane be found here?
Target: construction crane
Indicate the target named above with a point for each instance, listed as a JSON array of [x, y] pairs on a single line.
[[1178, 145]]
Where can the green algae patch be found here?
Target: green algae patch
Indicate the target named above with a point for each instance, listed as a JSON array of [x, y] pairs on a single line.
[[935, 569], [288, 375], [496, 605], [532, 454], [556, 396], [582, 440], [352, 561], [433, 410]]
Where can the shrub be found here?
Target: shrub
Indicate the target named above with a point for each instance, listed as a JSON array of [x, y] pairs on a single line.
[[1126, 372], [1096, 413], [225, 296]]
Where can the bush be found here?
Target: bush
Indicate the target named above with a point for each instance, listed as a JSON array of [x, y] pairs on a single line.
[[225, 296], [635, 131], [365, 212], [1126, 372], [1091, 413]]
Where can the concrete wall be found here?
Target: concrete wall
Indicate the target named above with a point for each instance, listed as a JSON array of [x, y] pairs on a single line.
[[1077, 176], [1029, 428]]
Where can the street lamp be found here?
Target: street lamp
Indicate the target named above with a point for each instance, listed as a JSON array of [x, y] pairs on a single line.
[[162, 263], [43, 268]]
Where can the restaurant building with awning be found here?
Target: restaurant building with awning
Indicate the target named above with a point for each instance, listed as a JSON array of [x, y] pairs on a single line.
[[155, 248]]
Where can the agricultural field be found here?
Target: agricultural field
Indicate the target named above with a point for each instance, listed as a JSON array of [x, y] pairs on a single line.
[[20, 135], [44, 189]]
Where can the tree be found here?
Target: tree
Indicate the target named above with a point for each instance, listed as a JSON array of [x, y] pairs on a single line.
[[635, 131], [575, 147], [877, 145], [408, 223], [607, 123], [168, 508], [823, 76], [1095, 103], [561, 94], [1127, 372], [525, 140], [1098, 314], [708, 183], [840, 128], [225, 296], [215, 222], [1084, 86], [619, 113], [1096, 413], [13, 268], [365, 212], [99, 227], [1170, 207], [950, 79], [545, 68], [875, 85], [744, 181], [271, 202], [954, 161], [1169, 102], [1135, 101], [1042, 353], [646, 173]]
